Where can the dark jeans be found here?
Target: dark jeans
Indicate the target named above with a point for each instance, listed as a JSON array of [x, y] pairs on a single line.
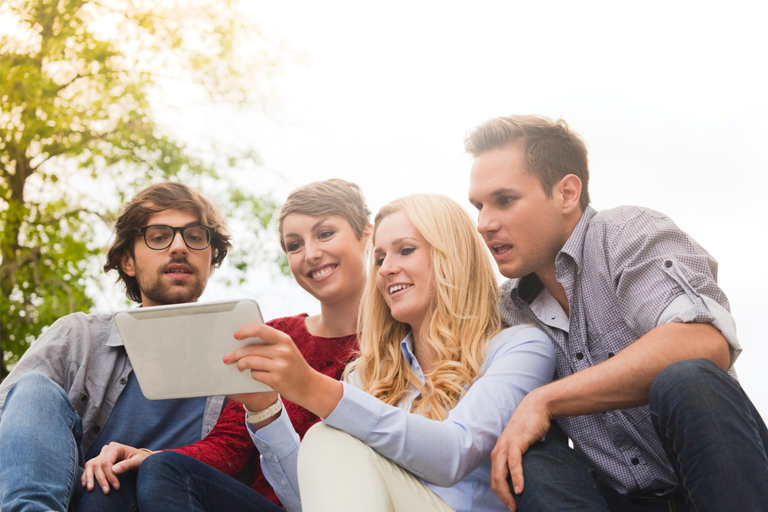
[[123, 500], [713, 436], [169, 481]]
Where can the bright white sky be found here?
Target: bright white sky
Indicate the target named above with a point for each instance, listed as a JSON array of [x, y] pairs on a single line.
[[670, 98]]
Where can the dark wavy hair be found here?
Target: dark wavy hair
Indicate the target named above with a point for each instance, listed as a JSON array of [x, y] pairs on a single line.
[[157, 198]]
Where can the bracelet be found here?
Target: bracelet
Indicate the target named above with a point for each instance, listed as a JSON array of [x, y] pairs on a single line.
[[258, 417], [146, 450]]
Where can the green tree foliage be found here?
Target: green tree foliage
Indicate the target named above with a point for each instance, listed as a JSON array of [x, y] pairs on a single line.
[[78, 135]]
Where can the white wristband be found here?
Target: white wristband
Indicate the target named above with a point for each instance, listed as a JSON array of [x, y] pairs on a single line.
[[257, 417]]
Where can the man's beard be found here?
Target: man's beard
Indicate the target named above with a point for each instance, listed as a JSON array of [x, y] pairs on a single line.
[[176, 292]]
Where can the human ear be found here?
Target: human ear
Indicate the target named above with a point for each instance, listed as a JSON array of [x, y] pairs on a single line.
[[127, 264], [569, 190], [367, 232]]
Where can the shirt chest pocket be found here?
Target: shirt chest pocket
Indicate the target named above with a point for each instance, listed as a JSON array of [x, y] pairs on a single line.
[[609, 340]]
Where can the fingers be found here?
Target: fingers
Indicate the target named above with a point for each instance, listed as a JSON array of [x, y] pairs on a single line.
[[499, 477], [86, 479], [131, 464], [516, 469], [99, 470], [277, 340], [259, 358], [268, 335], [104, 476]]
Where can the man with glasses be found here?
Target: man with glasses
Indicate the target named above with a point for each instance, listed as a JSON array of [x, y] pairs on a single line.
[[74, 390]]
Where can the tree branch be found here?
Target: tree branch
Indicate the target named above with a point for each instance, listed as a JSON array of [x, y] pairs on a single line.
[[60, 282], [84, 142], [64, 86], [7, 270]]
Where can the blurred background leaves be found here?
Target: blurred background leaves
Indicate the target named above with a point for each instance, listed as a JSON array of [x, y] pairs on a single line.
[[79, 134]]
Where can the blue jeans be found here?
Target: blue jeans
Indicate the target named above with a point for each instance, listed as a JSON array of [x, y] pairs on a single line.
[[713, 436], [169, 481], [41, 459]]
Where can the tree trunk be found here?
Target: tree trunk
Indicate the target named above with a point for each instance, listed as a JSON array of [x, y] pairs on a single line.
[[3, 370]]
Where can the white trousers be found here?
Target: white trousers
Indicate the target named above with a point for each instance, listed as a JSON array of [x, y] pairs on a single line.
[[339, 473]]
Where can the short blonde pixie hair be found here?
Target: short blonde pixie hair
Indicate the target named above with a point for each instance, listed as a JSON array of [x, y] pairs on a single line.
[[328, 197]]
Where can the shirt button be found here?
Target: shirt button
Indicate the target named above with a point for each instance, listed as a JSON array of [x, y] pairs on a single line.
[[268, 455], [668, 263], [283, 482], [97, 429], [635, 461], [123, 381], [579, 356]]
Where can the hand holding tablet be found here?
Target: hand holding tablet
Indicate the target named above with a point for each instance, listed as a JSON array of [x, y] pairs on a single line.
[[177, 351]]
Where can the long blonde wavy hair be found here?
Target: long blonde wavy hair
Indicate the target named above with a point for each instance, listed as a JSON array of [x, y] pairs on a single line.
[[462, 318]]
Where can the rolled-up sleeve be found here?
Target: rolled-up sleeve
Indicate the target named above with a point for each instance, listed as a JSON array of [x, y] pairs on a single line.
[[683, 310], [519, 360], [661, 275]]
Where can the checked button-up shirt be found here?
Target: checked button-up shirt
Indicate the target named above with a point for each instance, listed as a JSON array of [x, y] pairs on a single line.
[[625, 271]]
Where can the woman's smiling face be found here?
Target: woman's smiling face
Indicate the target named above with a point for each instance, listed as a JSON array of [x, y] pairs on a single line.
[[325, 256], [404, 269]]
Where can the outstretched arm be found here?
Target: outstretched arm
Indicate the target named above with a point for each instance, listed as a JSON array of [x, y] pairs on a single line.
[[520, 359]]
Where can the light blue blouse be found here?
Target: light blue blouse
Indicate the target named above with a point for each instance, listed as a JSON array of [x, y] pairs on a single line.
[[451, 456]]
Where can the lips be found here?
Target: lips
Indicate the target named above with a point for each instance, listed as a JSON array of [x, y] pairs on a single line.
[[177, 269], [500, 248], [322, 272], [397, 287]]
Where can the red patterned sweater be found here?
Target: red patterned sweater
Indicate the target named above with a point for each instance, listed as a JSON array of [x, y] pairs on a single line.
[[228, 446]]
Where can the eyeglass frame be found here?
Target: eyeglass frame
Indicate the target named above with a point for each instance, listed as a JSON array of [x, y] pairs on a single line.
[[143, 231]]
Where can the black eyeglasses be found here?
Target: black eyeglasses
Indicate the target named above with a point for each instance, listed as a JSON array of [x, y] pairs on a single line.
[[159, 236]]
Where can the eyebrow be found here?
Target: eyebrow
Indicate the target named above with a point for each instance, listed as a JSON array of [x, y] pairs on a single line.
[[502, 191], [314, 227], [496, 193], [396, 241], [195, 223], [318, 223]]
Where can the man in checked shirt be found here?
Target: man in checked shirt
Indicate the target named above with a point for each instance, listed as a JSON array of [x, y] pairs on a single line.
[[644, 337]]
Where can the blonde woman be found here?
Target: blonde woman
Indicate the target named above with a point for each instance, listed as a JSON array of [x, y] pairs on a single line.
[[435, 382]]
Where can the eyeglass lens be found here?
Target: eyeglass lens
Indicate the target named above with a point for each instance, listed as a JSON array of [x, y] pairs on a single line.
[[160, 237]]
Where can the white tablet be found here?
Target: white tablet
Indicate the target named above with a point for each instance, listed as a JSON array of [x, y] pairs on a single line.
[[177, 351]]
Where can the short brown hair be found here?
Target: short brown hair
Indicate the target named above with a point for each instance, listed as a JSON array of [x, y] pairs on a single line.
[[550, 148], [157, 198], [328, 197]]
